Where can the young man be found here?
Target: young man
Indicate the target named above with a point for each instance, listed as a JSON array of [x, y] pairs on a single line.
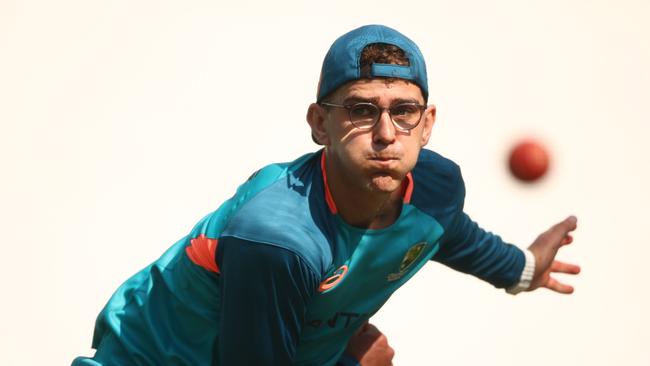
[[290, 269]]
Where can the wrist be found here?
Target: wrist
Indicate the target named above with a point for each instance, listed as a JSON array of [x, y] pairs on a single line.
[[527, 274]]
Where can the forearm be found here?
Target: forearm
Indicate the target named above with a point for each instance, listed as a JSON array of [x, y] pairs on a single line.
[[470, 249]]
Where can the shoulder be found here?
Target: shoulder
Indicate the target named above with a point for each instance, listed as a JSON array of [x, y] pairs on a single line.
[[438, 187], [277, 209], [270, 183], [433, 165], [435, 174]]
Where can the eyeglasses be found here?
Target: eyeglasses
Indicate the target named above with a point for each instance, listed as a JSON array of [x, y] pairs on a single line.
[[405, 116]]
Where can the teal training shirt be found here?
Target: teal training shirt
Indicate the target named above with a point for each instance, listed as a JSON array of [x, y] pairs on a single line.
[[276, 277]]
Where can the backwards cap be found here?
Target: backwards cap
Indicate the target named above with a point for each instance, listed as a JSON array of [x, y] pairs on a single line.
[[341, 63]]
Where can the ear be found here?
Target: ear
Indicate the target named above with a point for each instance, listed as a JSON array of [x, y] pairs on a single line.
[[429, 119], [316, 116]]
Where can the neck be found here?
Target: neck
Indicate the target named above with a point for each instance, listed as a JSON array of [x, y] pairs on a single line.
[[363, 208]]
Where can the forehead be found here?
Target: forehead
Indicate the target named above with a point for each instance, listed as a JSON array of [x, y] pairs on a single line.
[[380, 89]]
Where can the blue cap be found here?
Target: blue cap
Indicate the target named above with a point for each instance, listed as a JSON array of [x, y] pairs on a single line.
[[341, 64]]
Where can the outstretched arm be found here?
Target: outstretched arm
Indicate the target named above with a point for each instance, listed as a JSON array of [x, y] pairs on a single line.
[[468, 248], [545, 248]]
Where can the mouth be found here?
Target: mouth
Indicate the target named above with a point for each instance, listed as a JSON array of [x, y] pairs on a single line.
[[383, 161], [383, 158]]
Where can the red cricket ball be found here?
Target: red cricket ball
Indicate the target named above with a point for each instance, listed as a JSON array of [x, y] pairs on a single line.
[[529, 160]]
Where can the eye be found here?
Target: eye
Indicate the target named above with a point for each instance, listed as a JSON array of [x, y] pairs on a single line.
[[404, 110], [363, 111]]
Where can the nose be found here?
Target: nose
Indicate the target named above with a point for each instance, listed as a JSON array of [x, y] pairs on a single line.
[[383, 132]]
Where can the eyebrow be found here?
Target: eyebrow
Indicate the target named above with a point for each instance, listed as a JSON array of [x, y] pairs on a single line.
[[357, 99]]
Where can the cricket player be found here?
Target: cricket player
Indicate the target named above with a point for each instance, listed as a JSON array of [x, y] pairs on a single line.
[[291, 268]]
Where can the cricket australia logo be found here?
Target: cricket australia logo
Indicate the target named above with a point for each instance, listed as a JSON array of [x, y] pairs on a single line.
[[409, 258]]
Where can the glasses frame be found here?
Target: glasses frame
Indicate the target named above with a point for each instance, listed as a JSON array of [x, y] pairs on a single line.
[[381, 110]]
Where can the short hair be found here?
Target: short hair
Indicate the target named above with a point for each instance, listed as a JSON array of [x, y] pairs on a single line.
[[381, 53]]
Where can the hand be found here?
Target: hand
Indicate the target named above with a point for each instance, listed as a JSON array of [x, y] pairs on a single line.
[[370, 347], [545, 248]]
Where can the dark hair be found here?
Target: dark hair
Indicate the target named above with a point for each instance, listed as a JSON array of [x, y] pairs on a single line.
[[381, 53]]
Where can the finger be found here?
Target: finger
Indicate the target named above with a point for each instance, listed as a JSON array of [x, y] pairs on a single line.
[[558, 286], [560, 230], [567, 225], [568, 239], [562, 267]]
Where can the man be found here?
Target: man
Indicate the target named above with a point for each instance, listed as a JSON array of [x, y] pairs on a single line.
[[290, 269]]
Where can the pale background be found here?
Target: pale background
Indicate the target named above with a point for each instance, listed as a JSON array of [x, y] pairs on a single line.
[[123, 122]]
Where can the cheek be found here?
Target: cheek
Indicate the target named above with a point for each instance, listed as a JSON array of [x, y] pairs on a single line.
[[345, 149], [410, 159], [352, 142], [411, 152], [352, 152]]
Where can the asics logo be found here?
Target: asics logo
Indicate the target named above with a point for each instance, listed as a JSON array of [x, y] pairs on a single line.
[[333, 280]]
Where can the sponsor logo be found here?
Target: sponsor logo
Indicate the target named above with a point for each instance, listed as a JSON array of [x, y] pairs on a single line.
[[409, 258], [333, 280]]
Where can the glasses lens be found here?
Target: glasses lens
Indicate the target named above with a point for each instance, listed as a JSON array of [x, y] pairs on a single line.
[[406, 115], [363, 115]]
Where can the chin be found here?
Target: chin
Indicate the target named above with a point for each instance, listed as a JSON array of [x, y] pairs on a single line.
[[384, 183]]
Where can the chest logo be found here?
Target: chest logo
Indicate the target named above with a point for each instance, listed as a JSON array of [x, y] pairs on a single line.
[[409, 258], [334, 279]]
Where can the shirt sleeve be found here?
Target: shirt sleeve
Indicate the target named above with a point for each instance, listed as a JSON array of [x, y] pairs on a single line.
[[265, 292], [468, 248]]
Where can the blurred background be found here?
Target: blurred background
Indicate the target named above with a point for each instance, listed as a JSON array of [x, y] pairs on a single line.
[[122, 123]]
